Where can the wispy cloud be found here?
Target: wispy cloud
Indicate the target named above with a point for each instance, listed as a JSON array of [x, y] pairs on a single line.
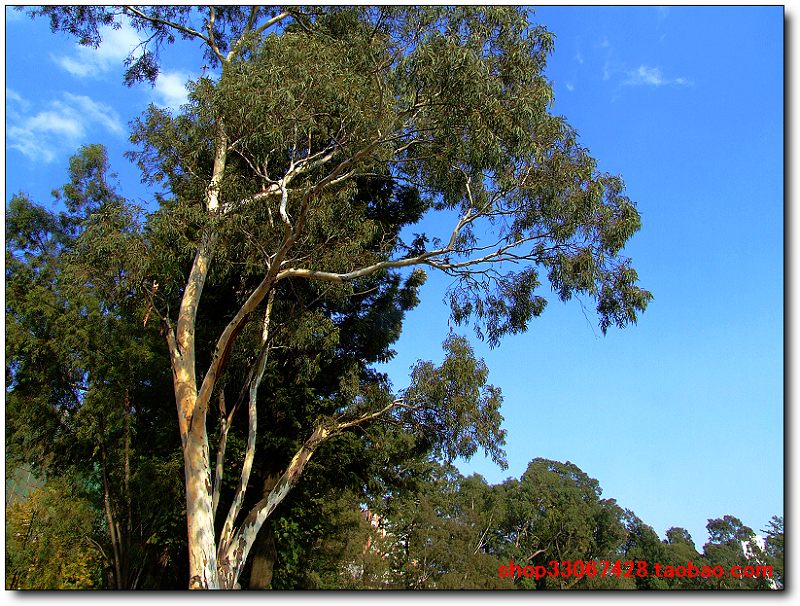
[[57, 128], [13, 97], [570, 86], [117, 45], [652, 76], [607, 70], [579, 57], [87, 62], [170, 89], [93, 112]]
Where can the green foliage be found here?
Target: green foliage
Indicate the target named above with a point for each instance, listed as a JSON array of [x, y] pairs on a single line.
[[775, 548], [86, 381], [434, 536], [452, 104], [51, 541], [725, 549], [300, 166], [643, 544], [454, 404], [554, 512]]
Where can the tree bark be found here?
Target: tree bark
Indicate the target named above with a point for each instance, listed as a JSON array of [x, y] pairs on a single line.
[[199, 514], [264, 552], [191, 408], [263, 556], [232, 560]]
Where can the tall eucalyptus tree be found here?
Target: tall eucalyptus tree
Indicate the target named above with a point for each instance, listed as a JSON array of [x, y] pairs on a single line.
[[265, 161]]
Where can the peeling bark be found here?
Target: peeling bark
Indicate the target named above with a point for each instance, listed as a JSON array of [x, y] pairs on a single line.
[[232, 560], [191, 408], [199, 516]]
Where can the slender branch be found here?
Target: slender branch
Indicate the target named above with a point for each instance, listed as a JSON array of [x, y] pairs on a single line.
[[224, 427], [250, 450], [113, 527], [271, 22], [358, 273], [483, 535], [291, 233], [172, 343], [99, 548], [369, 416], [157, 20], [235, 554], [211, 40]]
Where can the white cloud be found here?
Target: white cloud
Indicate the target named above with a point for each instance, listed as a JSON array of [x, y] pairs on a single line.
[[81, 68], [95, 112], [570, 86], [579, 57], [14, 96], [170, 89], [607, 70], [652, 76], [58, 128], [646, 75], [64, 124], [88, 62]]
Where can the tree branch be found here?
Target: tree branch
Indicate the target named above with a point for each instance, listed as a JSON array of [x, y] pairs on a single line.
[[210, 27], [157, 20], [369, 416], [224, 427], [250, 449], [232, 559]]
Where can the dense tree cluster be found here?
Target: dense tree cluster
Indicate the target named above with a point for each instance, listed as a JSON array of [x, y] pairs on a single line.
[[271, 272]]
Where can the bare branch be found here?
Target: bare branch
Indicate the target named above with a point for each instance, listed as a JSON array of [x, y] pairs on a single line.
[[157, 20], [247, 465], [210, 27], [368, 416], [224, 427], [276, 19]]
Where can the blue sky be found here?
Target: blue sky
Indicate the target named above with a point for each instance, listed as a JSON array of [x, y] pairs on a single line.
[[680, 418]]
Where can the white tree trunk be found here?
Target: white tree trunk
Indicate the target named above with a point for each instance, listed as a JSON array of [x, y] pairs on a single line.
[[234, 557], [199, 513]]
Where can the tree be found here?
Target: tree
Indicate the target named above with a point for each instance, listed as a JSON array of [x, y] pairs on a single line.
[[51, 541], [437, 533], [85, 385], [725, 548], [775, 547], [554, 512], [643, 544], [262, 168]]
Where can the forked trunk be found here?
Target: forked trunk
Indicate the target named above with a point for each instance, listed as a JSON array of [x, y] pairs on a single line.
[[235, 554]]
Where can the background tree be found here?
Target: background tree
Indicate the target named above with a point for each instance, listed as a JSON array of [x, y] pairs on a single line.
[[449, 101], [372, 320], [85, 385], [52, 540], [643, 544], [724, 548], [437, 533], [775, 547], [554, 512]]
